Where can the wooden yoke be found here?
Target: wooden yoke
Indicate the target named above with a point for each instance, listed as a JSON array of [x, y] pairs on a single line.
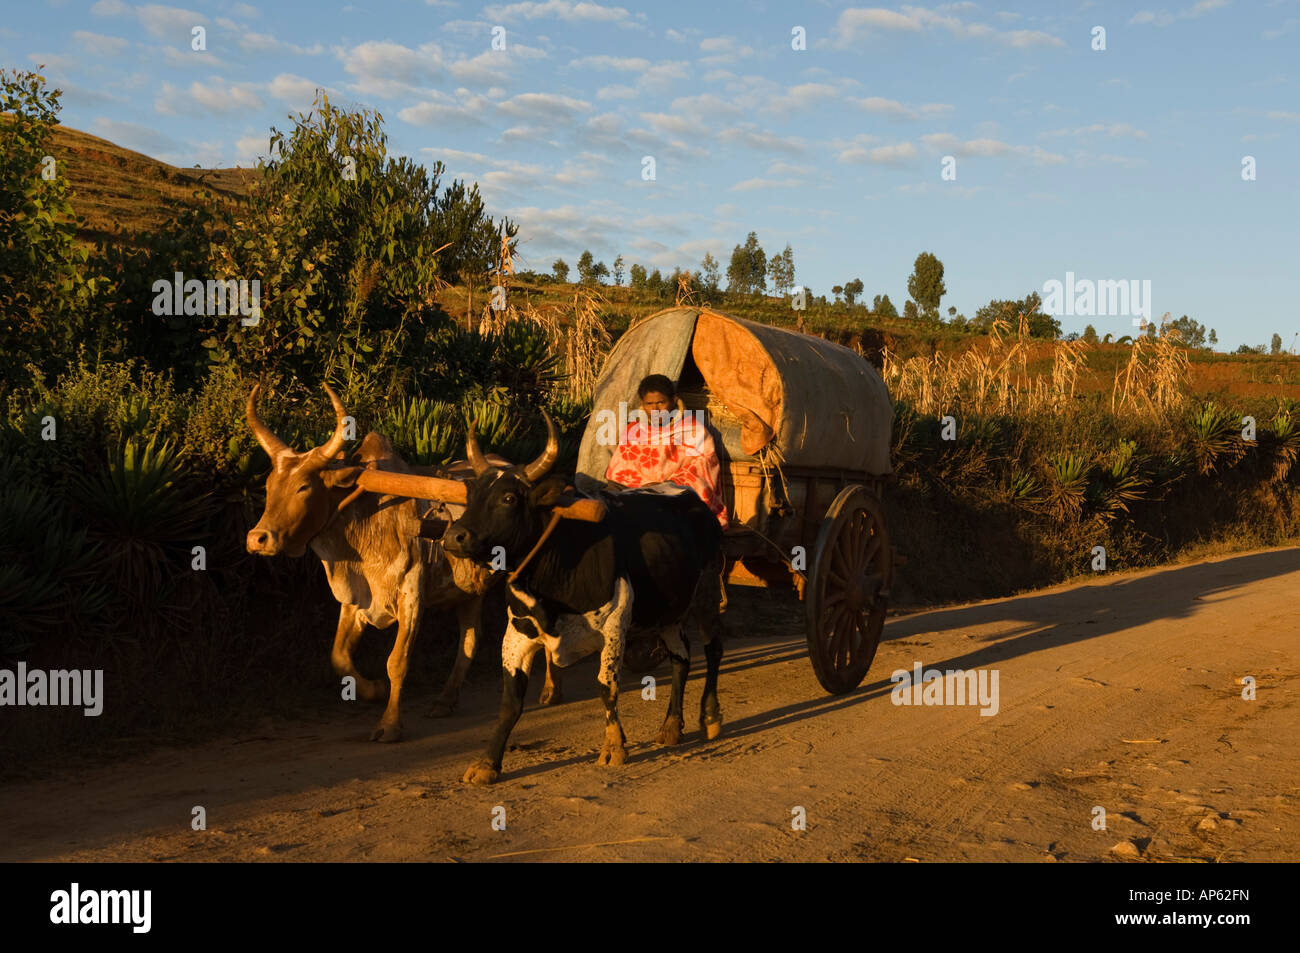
[[443, 490]]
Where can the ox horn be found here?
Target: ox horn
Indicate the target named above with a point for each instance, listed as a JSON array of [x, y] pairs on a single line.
[[476, 458], [272, 444], [542, 465], [335, 443]]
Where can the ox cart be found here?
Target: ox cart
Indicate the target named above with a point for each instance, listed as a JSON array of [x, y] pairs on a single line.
[[804, 428]]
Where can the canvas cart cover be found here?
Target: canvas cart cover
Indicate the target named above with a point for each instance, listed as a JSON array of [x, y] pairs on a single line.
[[818, 404]]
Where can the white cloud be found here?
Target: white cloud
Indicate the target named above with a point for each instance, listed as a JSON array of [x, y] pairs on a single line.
[[857, 24], [169, 23], [543, 105], [630, 64], [989, 148], [863, 151], [892, 108], [249, 148], [672, 124], [705, 106], [800, 97], [216, 95], [294, 89], [752, 138], [440, 109], [99, 44], [723, 49], [110, 8], [265, 43], [616, 92], [558, 9], [1165, 18], [382, 67]]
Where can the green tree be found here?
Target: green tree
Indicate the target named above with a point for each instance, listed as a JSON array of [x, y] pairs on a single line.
[[1275, 346], [1214, 337], [926, 284], [1090, 334], [587, 268], [1190, 332], [637, 277], [780, 270], [709, 272], [852, 289], [837, 290], [909, 310], [618, 270], [882, 306], [461, 222], [561, 269], [655, 283], [43, 292], [747, 273], [343, 240], [1039, 325]]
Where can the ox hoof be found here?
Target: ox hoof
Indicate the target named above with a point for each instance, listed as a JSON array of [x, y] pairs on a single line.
[[671, 732], [481, 772], [440, 709], [550, 697], [612, 755], [711, 729], [387, 733]]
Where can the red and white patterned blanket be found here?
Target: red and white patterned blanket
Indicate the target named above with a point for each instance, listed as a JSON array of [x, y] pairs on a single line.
[[680, 452]]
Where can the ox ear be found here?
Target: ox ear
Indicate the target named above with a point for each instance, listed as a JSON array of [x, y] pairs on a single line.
[[341, 477], [548, 492], [375, 447]]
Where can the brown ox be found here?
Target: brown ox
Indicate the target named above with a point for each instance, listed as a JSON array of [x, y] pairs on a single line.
[[378, 568]]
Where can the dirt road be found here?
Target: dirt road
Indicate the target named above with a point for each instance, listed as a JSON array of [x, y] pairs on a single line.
[[1122, 693]]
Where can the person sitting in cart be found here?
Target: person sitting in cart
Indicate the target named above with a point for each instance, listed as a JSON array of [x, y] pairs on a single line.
[[665, 445]]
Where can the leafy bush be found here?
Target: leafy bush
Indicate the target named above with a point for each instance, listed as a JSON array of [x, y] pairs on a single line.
[[49, 569]]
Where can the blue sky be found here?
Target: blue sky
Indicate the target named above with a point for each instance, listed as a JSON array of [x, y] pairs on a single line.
[[1122, 163]]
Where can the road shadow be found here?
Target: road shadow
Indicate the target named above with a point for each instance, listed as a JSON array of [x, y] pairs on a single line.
[[1045, 620], [1038, 621]]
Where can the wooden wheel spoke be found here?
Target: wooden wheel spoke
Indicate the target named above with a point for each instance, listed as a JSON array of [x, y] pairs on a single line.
[[850, 568], [848, 623], [871, 550]]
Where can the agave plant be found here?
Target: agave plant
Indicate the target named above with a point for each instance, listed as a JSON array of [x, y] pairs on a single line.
[[47, 566], [425, 432], [1022, 488], [1215, 440], [145, 520], [1281, 439], [1119, 482], [1065, 493]]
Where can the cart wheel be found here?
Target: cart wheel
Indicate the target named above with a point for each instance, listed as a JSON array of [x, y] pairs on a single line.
[[847, 590]]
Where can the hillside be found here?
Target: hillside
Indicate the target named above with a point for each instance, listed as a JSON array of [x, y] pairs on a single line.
[[117, 189]]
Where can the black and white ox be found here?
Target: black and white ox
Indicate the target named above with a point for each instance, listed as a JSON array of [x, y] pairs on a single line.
[[591, 587], [379, 570]]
